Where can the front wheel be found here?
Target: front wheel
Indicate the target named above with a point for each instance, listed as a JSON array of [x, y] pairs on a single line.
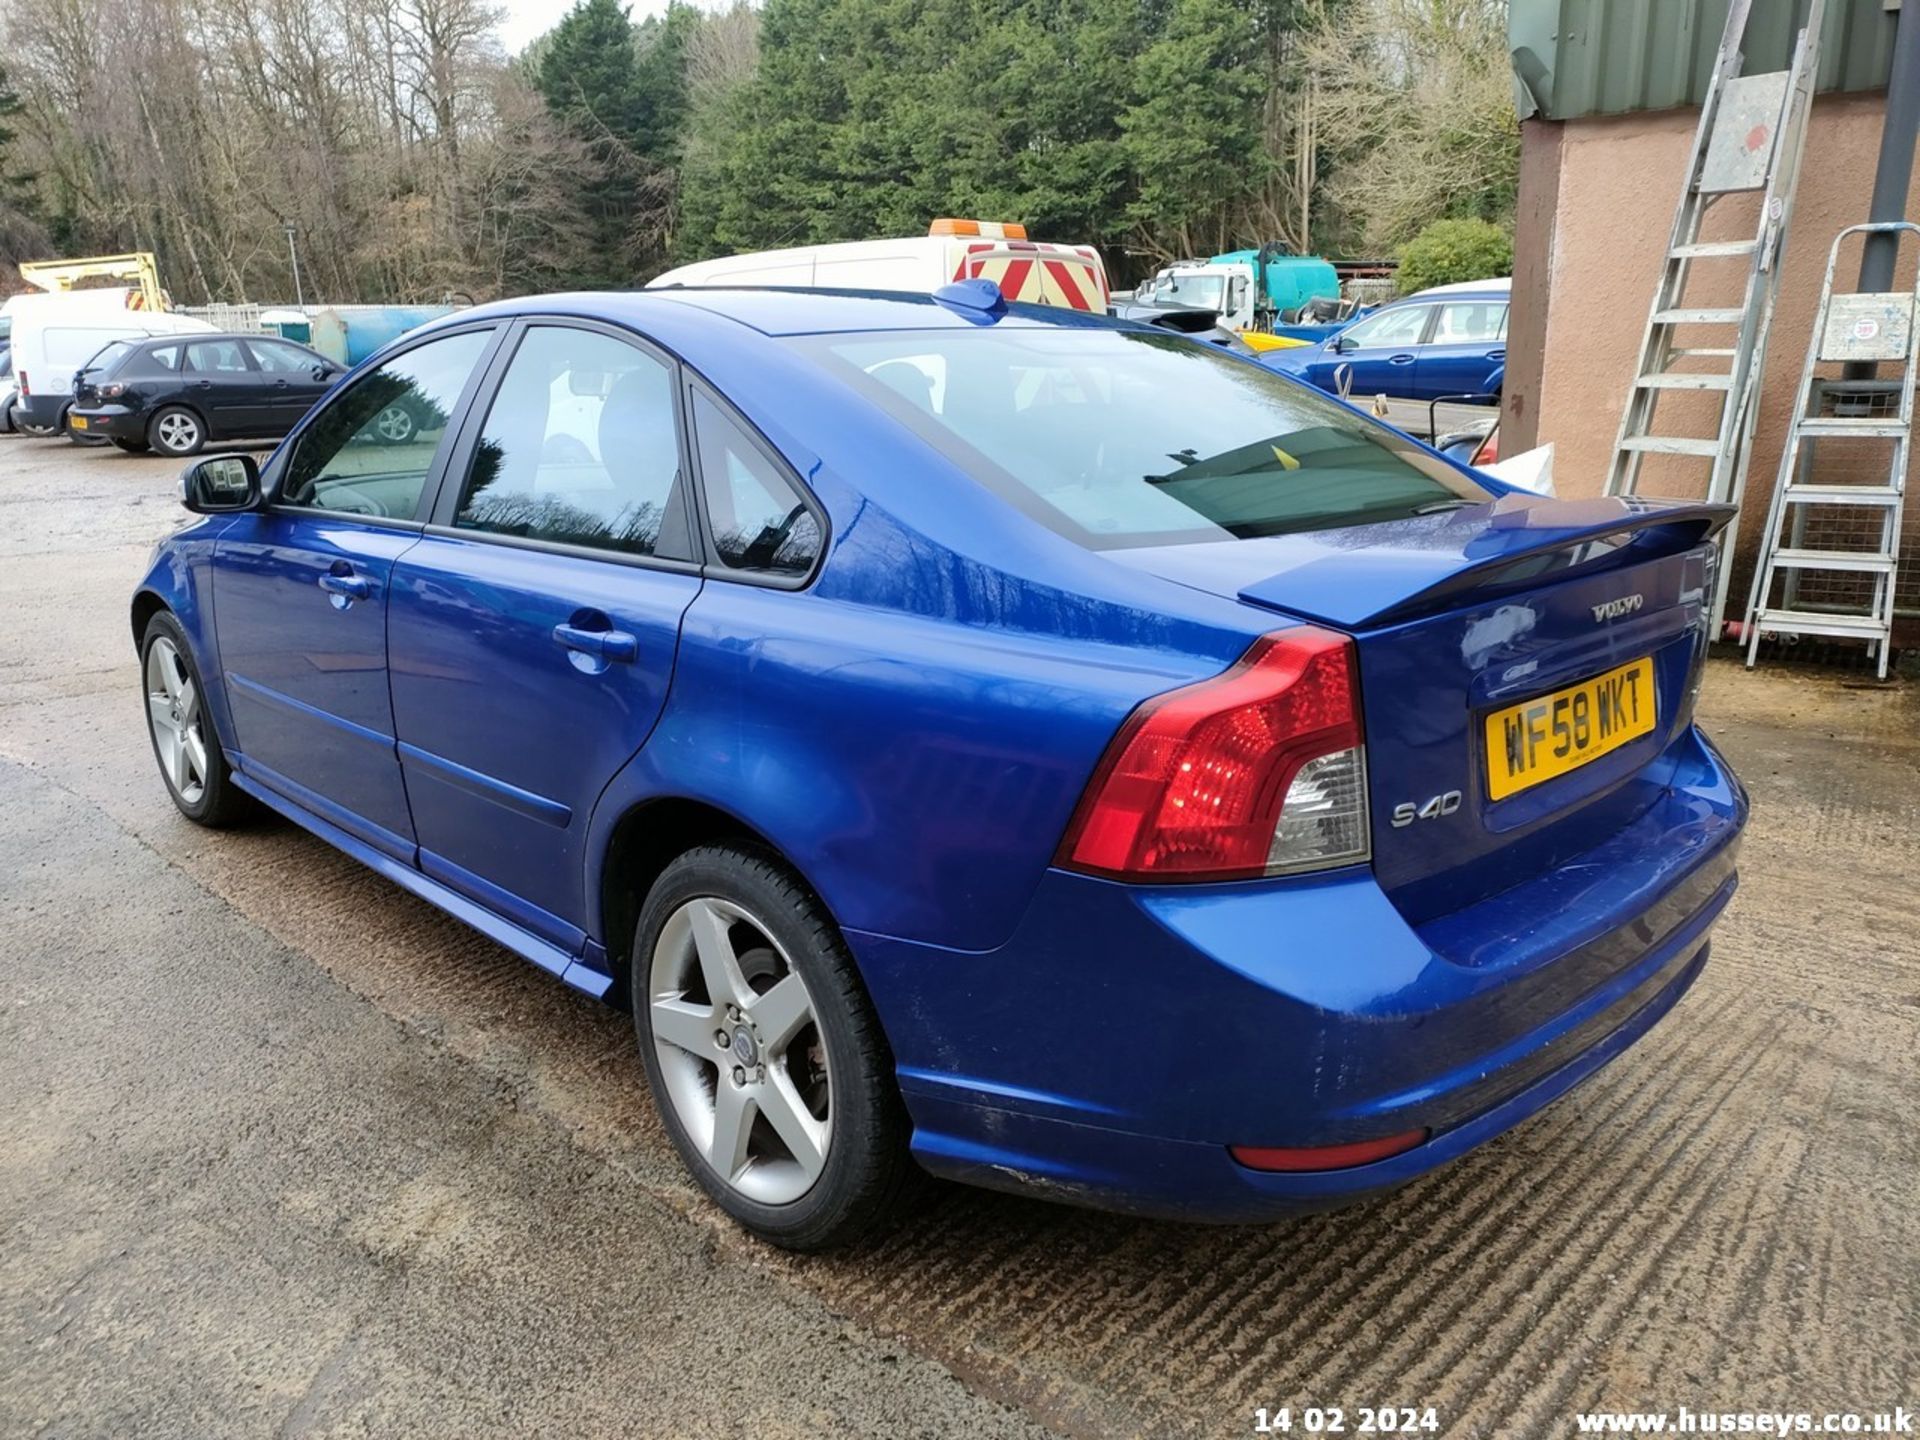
[[767, 1063], [184, 741], [176, 432]]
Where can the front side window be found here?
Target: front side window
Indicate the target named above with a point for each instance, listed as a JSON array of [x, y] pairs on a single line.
[[580, 445], [1475, 323], [217, 357], [1137, 438], [370, 448], [277, 357], [1389, 327], [759, 522]]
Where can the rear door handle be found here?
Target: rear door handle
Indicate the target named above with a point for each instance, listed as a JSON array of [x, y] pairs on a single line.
[[604, 644], [353, 587], [1496, 354]]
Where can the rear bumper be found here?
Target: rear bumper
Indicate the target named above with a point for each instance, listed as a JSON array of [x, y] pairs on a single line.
[[115, 422], [1126, 1036]]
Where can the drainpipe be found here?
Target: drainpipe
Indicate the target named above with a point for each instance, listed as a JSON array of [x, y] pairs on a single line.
[[1894, 174]]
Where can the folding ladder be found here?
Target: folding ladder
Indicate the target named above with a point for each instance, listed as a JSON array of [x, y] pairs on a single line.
[[1858, 329], [1751, 134]]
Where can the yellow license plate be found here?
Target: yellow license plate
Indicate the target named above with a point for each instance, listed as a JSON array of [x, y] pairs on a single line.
[[1552, 734], [79, 422]]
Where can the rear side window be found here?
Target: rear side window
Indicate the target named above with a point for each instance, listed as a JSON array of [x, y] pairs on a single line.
[[161, 358], [759, 521], [1118, 437], [217, 357], [580, 445]]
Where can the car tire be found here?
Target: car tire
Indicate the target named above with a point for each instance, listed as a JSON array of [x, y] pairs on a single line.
[[819, 1053], [177, 431], [185, 744], [7, 425], [132, 447], [395, 425]]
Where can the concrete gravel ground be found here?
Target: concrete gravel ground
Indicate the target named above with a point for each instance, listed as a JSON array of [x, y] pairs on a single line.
[[285, 1151]]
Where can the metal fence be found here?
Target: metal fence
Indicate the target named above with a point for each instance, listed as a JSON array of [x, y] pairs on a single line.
[[244, 319]]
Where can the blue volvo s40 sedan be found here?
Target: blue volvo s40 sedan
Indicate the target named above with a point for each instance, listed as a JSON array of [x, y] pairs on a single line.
[[1023, 747]]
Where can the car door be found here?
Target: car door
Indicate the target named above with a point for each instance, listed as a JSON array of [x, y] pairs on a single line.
[[534, 626], [295, 379], [223, 385], [1467, 345], [1383, 351], [301, 591]]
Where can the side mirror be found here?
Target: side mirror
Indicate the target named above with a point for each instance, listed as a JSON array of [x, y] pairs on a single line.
[[1343, 343], [220, 484], [323, 372]]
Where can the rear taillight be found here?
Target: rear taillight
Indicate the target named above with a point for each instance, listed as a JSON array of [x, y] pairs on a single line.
[[1489, 451], [1260, 771], [22, 378], [110, 392]]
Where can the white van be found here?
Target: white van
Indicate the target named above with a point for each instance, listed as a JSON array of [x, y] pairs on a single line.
[[1070, 276], [54, 335]]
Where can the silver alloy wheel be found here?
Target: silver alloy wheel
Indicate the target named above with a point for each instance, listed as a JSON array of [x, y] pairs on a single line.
[[174, 715], [177, 430], [741, 1051], [393, 425]]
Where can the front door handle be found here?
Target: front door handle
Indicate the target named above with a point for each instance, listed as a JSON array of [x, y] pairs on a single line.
[[353, 587], [601, 644], [1496, 354], [1402, 359]]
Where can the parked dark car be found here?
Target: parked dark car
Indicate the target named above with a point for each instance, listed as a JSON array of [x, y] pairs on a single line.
[[177, 393]]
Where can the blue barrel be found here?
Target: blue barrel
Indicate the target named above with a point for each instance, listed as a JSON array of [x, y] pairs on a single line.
[[348, 334]]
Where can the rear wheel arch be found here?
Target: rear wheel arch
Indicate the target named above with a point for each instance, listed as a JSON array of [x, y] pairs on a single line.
[[646, 839]]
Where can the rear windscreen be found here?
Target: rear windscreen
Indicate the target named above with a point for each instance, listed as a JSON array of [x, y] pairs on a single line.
[[108, 357], [1116, 437]]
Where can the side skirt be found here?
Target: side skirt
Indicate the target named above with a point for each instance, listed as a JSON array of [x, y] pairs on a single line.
[[573, 969]]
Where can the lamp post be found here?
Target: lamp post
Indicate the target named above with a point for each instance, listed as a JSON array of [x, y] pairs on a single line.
[[299, 295]]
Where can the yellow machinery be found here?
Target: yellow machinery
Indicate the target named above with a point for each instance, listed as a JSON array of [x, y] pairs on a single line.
[[58, 276]]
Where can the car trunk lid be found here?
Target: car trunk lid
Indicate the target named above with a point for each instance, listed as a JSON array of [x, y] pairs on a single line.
[[1458, 617]]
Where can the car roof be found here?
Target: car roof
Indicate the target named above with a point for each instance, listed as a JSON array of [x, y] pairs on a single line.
[[195, 337], [1500, 289], [773, 310]]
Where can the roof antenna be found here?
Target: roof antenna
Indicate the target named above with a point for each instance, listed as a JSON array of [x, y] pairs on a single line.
[[977, 300]]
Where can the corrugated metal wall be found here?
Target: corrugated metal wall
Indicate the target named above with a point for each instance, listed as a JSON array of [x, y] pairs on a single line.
[[1607, 57]]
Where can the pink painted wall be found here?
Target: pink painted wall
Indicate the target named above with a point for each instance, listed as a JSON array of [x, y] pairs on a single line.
[[1618, 181]]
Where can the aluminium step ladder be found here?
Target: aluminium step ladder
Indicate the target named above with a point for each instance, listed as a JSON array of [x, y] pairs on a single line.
[[1751, 135], [1868, 328]]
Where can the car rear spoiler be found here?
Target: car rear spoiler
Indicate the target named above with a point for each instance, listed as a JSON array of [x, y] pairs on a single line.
[[1373, 575]]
